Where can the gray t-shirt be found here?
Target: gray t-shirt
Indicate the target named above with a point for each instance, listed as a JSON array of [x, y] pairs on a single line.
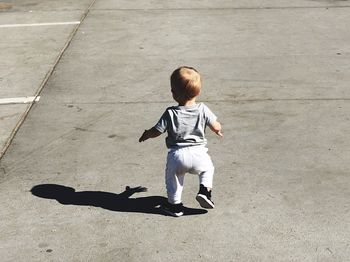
[[185, 125]]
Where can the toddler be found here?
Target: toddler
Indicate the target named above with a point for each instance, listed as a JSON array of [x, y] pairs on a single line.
[[185, 125]]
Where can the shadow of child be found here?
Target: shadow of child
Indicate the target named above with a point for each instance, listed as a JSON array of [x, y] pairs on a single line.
[[115, 202]]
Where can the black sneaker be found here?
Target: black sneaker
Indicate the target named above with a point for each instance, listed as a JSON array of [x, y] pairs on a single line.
[[175, 210], [204, 197]]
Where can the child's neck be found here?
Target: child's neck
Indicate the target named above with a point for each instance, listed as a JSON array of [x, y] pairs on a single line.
[[191, 102]]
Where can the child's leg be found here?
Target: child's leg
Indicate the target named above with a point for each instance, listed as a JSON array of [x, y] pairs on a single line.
[[174, 177], [206, 178], [206, 184], [203, 166], [174, 186]]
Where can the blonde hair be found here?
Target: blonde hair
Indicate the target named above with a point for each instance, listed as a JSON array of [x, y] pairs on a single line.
[[186, 82]]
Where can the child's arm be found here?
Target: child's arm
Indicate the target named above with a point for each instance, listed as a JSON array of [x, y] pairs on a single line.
[[150, 133], [216, 128]]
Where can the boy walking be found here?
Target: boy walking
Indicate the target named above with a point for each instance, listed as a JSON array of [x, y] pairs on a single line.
[[185, 125]]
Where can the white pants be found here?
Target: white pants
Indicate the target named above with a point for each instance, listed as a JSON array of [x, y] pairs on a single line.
[[194, 160]]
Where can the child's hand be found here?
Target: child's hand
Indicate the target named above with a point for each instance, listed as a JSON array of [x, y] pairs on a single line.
[[216, 128], [219, 134]]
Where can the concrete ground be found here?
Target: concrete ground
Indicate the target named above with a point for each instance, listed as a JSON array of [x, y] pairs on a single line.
[[275, 72]]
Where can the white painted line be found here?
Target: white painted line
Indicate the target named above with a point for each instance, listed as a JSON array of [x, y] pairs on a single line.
[[19, 100], [40, 24]]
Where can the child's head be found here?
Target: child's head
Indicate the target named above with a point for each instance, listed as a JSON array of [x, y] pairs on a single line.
[[185, 83]]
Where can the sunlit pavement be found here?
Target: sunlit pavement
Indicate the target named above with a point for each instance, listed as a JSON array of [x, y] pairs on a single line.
[[276, 73]]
